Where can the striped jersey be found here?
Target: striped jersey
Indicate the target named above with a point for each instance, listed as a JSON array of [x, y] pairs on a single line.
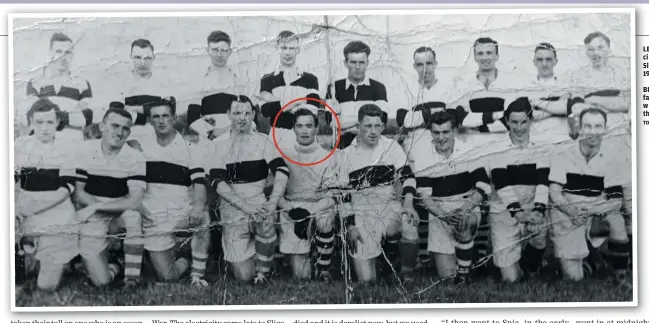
[[171, 171], [41, 168], [476, 111], [373, 173], [346, 99], [423, 102], [449, 179], [280, 86], [244, 162], [605, 82], [218, 91], [310, 182], [110, 178], [587, 181], [66, 94], [519, 175]]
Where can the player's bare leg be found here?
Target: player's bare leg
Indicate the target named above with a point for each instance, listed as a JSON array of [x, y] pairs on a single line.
[[572, 269], [446, 264]]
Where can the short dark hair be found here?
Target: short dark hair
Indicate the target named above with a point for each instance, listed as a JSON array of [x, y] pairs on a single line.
[[597, 34], [118, 111], [441, 117], [286, 35], [43, 105], [592, 110], [168, 102], [59, 37], [545, 46], [243, 99], [521, 104], [424, 49], [303, 112], [142, 43], [356, 47], [370, 110], [485, 40], [219, 36]]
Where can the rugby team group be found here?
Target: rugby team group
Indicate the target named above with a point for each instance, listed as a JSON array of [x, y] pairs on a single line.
[[482, 166]]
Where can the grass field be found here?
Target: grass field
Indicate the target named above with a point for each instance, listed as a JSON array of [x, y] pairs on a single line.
[[78, 292], [223, 290]]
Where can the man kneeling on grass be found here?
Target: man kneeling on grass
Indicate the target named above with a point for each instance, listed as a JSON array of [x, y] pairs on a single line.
[[175, 198], [44, 176], [307, 200], [239, 165], [584, 188]]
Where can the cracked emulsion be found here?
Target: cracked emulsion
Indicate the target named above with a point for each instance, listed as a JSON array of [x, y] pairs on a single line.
[[181, 62]]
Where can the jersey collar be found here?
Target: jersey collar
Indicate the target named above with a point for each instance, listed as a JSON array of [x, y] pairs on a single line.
[[365, 82]]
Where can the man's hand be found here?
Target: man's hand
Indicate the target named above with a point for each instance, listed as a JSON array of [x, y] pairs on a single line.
[[253, 211], [84, 214], [535, 217], [353, 238], [523, 216], [581, 217], [269, 208], [456, 219], [409, 214]]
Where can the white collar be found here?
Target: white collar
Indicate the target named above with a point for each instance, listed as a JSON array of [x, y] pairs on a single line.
[[365, 82], [279, 70]]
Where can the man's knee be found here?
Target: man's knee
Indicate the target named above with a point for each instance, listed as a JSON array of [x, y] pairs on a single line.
[[572, 269], [393, 228], [49, 277], [325, 223], [617, 227]]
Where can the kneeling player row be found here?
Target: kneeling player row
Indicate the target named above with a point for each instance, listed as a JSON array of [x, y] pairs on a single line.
[[161, 190]]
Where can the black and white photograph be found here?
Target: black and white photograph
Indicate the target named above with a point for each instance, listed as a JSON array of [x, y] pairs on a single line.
[[429, 157]]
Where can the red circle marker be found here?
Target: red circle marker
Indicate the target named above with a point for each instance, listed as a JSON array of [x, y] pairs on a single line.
[[337, 140]]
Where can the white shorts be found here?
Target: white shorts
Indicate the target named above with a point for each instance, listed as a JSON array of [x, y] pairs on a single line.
[[441, 236], [372, 222], [56, 232], [95, 234], [238, 235], [506, 237], [159, 228], [289, 242]]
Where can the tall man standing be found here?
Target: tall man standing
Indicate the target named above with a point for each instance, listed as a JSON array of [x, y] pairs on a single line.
[[346, 96], [284, 85], [68, 91]]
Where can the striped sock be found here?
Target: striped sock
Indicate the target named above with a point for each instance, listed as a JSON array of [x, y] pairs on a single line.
[[132, 261], [464, 255], [113, 269], [619, 254], [325, 245], [482, 239], [199, 260], [265, 249], [423, 241]]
